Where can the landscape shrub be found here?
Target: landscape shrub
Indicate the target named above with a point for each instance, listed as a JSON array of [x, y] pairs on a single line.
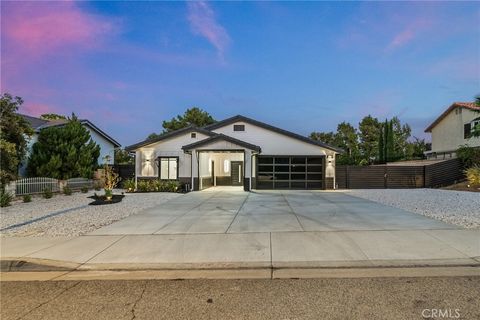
[[67, 191], [469, 156], [97, 186], [157, 186], [473, 175], [5, 198], [84, 189], [47, 193], [27, 198], [129, 185]]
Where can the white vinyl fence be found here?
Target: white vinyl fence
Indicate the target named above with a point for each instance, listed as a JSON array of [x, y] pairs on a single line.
[[78, 183], [36, 185]]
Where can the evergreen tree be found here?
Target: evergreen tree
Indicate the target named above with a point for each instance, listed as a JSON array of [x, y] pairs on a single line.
[[381, 145], [389, 143], [193, 116], [369, 130], [14, 133], [64, 152]]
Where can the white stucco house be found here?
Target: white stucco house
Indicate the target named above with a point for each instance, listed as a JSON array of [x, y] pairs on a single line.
[[107, 144], [237, 151], [452, 129]]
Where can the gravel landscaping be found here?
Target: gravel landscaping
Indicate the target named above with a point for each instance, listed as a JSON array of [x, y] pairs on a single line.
[[79, 217], [456, 207]]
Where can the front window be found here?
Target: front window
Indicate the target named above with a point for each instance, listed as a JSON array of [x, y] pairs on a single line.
[[168, 168]]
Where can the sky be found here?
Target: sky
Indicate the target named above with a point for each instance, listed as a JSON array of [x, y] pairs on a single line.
[[301, 66]]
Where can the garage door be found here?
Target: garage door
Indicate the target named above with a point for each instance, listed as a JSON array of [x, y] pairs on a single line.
[[289, 172]]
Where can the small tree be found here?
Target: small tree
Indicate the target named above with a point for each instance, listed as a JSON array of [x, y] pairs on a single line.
[[369, 132], [111, 179], [122, 156], [325, 137], [193, 116], [64, 152], [52, 116], [14, 133]]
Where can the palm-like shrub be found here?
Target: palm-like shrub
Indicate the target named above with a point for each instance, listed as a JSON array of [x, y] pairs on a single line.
[[111, 179], [473, 175]]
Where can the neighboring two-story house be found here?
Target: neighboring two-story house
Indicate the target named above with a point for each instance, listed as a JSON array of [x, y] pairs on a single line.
[[452, 129]]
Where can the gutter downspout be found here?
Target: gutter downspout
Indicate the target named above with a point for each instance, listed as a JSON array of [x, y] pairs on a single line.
[[251, 169], [136, 179], [198, 169], [191, 168]]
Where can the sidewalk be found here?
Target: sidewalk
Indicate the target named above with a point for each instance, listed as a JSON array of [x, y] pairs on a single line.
[[264, 250]]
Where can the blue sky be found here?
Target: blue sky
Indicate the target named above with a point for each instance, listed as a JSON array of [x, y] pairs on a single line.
[[302, 66]]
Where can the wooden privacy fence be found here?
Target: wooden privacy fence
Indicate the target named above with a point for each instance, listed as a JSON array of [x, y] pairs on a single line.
[[78, 183], [399, 176], [36, 185], [125, 171]]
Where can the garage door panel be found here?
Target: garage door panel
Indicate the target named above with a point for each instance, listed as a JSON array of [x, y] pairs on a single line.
[[290, 172]]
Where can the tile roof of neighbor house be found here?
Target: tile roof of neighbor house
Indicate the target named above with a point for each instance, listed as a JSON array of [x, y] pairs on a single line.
[[271, 128], [466, 105], [39, 124], [221, 136]]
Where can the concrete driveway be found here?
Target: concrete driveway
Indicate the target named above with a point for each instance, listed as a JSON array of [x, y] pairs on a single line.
[[230, 210], [273, 232]]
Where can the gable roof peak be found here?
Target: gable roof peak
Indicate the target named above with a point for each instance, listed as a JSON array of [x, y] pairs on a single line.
[[467, 105]]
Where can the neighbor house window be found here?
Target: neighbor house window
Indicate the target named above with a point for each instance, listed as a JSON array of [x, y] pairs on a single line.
[[193, 135], [467, 131], [474, 124], [238, 127], [168, 168]]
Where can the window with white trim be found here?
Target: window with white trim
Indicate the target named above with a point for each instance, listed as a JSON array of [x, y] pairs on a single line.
[[168, 168]]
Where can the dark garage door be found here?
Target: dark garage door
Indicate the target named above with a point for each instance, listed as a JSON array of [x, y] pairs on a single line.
[[290, 172]]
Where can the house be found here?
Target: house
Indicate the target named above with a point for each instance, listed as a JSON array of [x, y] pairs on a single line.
[[237, 151], [107, 144], [452, 129]]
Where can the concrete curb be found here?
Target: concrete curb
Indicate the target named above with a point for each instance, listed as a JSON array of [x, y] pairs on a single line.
[[41, 269], [255, 273]]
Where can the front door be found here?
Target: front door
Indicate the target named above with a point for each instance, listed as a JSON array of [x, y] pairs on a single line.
[[237, 173]]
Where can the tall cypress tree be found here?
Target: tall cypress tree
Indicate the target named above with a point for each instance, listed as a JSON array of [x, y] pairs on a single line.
[[389, 143], [64, 152], [381, 145]]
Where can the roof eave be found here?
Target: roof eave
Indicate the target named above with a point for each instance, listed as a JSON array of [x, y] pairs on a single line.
[[271, 128], [167, 135]]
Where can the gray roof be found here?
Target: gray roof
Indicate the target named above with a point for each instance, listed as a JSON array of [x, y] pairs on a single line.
[[207, 130], [220, 136], [39, 124], [167, 135], [35, 123], [290, 134]]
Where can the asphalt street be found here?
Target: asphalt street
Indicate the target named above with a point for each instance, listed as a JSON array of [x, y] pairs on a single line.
[[348, 298]]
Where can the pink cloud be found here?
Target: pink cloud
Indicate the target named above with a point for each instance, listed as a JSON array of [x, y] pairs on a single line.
[[39, 28], [37, 109], [203, 22], [408, 33]]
